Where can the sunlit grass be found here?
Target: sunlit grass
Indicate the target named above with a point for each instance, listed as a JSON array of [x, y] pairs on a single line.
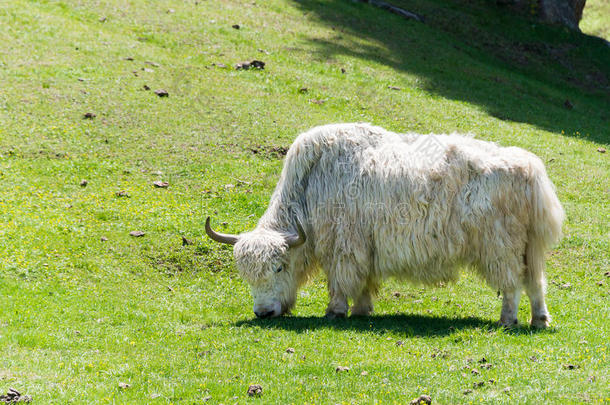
[[84, 306]]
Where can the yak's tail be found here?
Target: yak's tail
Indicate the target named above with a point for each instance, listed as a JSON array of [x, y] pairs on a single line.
[[546, 220]]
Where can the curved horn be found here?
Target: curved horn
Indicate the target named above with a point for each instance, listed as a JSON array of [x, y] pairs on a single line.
[[219, 237], [298, 239]]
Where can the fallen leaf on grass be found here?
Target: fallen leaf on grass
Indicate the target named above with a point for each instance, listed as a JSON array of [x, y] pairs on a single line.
[[422, 399], [341, 369], [137, 234], [317, 101], [155, 64], [161, 184], [162, 93], [255, 390], [290, 350], [394, 88]]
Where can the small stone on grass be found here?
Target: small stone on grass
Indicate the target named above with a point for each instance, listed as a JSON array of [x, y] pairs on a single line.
[[13, 396], [255, 390], [137, 234], [161, 184], [255, 64], [570, 366], [421, 400]]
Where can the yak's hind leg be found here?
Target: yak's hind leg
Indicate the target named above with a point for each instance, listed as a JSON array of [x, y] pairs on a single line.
[[363, 303], [535, 284], [505, 272], [510, 307]]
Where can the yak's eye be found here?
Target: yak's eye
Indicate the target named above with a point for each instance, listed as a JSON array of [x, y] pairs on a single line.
[[280, 268]]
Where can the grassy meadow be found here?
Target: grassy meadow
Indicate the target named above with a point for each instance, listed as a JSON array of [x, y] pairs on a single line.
[[90, 314]]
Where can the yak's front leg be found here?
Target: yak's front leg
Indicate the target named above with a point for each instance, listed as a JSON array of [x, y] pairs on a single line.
[[337, 306], [510, 307], [346, 278], [363, 304]]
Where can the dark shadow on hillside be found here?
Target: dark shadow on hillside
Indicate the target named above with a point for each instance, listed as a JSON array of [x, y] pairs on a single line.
[[477, 52], [405, 324]]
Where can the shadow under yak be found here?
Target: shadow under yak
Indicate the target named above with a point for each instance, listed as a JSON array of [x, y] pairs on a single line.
[[408, 325]]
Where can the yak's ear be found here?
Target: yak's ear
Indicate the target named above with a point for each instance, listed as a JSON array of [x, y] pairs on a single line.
[[298, 239]]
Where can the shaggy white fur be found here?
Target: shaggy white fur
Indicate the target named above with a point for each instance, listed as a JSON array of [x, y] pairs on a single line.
[[375, 204]]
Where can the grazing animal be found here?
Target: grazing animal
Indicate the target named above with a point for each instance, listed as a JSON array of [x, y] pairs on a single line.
[[364, 204]]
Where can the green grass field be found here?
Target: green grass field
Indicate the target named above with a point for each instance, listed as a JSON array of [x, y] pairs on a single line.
[[81, 316]]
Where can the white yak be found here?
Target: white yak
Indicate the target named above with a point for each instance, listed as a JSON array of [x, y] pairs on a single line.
[[364, 204]]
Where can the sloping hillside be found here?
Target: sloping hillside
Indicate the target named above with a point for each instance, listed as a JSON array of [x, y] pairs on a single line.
[[99, 99]]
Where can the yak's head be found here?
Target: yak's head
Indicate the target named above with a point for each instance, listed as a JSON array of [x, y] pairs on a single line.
[[263, 260]]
